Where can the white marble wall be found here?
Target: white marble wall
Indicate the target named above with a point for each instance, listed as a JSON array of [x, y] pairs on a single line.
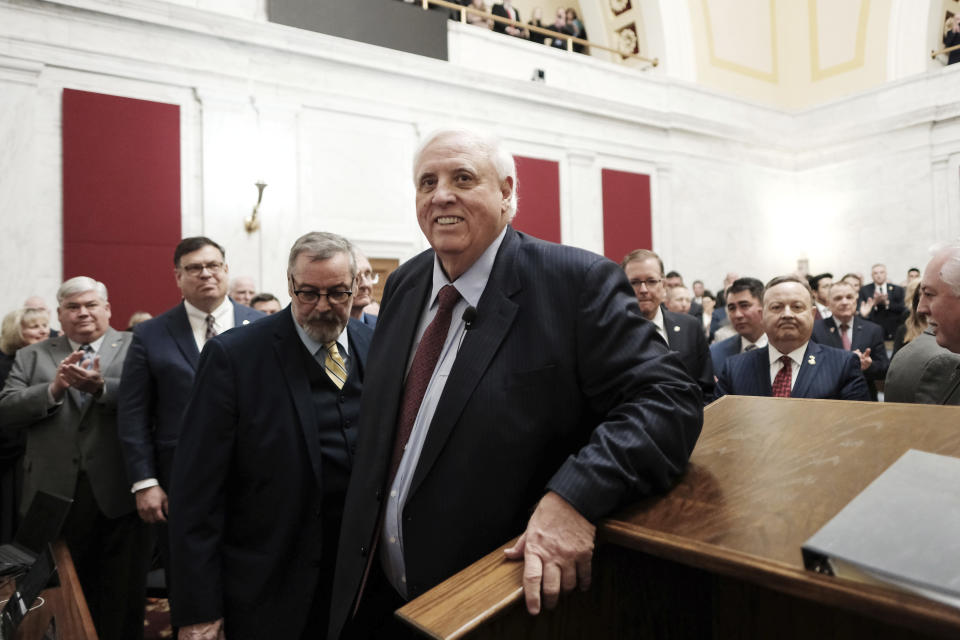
[[330, 126]]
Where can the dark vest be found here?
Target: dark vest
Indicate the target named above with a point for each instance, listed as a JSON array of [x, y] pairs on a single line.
[[337, 412]]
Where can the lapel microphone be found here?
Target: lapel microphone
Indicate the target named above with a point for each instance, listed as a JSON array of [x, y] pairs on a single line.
[[469, 315]]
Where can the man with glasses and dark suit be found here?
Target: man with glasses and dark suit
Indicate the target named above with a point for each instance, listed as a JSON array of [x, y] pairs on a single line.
[[159, 370], [266, 447]]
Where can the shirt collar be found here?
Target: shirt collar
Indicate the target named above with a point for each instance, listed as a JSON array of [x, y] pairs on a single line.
[[95, 345], [225, 307], [312, 345], [796, 355], [658, 321], [760, 343], [474, 280]]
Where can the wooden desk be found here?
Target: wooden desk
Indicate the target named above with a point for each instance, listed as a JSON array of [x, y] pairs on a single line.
[[719, 555], [64, 603]]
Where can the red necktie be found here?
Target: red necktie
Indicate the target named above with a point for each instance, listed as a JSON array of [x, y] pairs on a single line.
[[844, 336], [781, 383], [424, 362]]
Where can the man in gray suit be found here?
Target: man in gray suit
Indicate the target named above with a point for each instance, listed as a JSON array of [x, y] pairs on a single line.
[[63, 391], [940, 302], [923, 372]]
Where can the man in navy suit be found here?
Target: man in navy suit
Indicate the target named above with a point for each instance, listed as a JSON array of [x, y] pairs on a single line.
[[265, 453], [882, 302], [791, 365], [544, 393], [845, 329], [682, 332], [745, 310], [159, 369]]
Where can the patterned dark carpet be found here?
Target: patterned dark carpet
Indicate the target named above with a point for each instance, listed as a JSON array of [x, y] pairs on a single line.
[[156, 624]]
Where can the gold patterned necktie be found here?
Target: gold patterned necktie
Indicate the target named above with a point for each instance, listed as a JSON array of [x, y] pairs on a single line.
[[333, 364]]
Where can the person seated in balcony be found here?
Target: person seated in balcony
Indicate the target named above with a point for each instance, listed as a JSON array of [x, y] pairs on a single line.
[[951, 37], [560, 26], [577, 30], [537, 21], [476, 19], [506, 9]]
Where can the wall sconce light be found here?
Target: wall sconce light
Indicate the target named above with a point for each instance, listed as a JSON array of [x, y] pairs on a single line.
[[251, 223]]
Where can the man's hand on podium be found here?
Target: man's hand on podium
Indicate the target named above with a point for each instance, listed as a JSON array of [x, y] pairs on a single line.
[[557, 551]]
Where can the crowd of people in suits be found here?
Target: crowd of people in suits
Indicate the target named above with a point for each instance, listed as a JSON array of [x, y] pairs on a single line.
[[306, 470]]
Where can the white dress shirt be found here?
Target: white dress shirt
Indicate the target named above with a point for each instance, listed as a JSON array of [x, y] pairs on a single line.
[[759, 344], [222, 320], [796, 357]]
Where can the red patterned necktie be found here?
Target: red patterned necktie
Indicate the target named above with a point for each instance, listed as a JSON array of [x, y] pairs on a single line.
[[844, 336], [424, 362], [781, 383]]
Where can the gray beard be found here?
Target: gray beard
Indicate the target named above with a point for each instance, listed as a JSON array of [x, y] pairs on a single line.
[[322, 329]]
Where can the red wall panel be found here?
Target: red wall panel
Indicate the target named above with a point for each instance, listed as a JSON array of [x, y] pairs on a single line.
[[538, 212], [626, 213], [121, 198]]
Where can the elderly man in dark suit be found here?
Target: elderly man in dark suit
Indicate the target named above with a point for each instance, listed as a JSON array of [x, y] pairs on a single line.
[[882, 302], [159, 369], [264, 457], [63, 392], [792, 365], [745, 310], [845, 329], [682, 332], [507, 376]]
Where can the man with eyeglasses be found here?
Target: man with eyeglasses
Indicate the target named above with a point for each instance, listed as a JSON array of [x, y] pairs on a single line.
[[682, 332], [265, 454], [159, 370], [366, 278]]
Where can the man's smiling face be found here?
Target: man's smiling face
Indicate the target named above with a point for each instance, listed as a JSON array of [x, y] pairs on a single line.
[[462, 205]]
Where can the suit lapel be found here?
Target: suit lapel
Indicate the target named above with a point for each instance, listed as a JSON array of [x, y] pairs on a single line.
[[182, 333], [833, 333], [290, 353], [112, 343], [359, 346], [762, 370], [807, 371], [495, 315]]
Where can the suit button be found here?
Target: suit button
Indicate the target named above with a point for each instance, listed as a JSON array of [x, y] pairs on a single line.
[[353, 449], [363, 550], [342, 399], [346, 424]]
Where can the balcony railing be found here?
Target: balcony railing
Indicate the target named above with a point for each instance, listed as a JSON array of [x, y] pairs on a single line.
[[570, 40]]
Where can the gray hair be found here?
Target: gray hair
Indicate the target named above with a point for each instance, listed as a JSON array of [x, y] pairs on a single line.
[[321, 245], [489, 146], [950, 269], [80, 284]]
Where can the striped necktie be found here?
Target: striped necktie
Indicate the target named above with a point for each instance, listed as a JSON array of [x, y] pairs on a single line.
[[333, 364]]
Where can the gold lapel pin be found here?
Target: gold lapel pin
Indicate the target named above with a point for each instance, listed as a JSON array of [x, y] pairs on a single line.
[[114, 345], [246, 322], [832, 329], [676, 328], [811, 360]]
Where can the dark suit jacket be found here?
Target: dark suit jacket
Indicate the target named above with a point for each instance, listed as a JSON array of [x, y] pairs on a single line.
[[369, 320], [157, 379], [866, 335], [499, 10], [835, 374], [720, 351], [923, 372], [78, 435], [246, 497], [889, 315], [560, 385], [685, 336]]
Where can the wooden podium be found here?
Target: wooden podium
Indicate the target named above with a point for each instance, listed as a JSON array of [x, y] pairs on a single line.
[[719, 555], [64, 604]]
